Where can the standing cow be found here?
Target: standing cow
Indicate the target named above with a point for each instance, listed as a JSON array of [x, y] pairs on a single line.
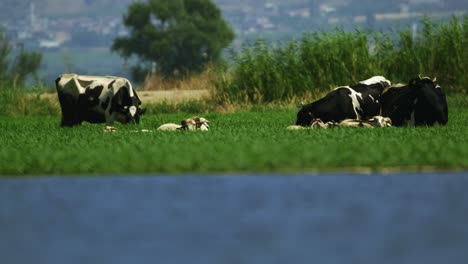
[[358, 101], [97, 99], [422, 102]]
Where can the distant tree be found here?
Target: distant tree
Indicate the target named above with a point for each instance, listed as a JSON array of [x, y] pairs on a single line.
[[179, 35], [14, 69]]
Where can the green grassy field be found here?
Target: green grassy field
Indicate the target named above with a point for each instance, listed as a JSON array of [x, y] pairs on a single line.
[[237, 142]]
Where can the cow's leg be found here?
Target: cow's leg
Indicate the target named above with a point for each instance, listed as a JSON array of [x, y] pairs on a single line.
[[110, 117], [70, 115]]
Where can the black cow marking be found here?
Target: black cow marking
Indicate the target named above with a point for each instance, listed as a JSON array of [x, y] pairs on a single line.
[[92, 95], [110, 84], [420, 103], [105, 104]]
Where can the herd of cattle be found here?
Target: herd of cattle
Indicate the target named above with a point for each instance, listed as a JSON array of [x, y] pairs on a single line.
[[371, 103], [377, 103]]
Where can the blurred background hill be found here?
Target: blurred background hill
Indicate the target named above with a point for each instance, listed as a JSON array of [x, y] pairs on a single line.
[[76, 35]]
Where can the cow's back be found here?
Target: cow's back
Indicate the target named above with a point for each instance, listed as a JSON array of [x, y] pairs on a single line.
[[335, 106]]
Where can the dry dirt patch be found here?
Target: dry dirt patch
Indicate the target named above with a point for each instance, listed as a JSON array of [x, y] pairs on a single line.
[[147, 97], [175, 96]]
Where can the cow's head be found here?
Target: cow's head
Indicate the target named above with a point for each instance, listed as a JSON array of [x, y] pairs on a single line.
[[304, 116], [430, 105], [125, 103]]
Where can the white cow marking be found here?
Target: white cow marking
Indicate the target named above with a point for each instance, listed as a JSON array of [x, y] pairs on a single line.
[[375, 80], [354, 100], [132, 110]]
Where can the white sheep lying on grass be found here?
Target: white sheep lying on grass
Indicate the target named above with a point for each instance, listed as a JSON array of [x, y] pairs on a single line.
[[376, 121], [170, 127], [316, 123], [109, 129], [381, 121], [193, 123]]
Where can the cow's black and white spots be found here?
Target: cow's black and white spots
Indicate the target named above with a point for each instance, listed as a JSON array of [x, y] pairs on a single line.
[[358, 101], [421, 102], [97, 99]]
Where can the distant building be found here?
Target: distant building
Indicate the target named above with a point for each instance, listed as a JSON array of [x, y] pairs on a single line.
[[49, 44]]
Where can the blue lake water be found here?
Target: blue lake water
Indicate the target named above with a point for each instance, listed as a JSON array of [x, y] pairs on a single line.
[[388, 218]]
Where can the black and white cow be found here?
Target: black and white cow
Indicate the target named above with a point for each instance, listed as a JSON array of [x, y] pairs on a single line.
[[420, 103], [358, 101], [97, 99]]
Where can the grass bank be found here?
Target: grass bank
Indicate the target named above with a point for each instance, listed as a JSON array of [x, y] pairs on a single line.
[[254, 141]]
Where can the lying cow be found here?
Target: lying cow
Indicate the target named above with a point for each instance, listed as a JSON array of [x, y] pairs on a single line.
[[422, 102], [358, 101], [97, 99]]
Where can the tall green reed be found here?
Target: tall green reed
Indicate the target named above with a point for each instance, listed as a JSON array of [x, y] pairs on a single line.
[[18, 102], [319, 61]]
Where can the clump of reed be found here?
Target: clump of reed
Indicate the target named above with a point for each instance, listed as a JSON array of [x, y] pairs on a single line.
[[201, 81], [19, 102], [261, 73]]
